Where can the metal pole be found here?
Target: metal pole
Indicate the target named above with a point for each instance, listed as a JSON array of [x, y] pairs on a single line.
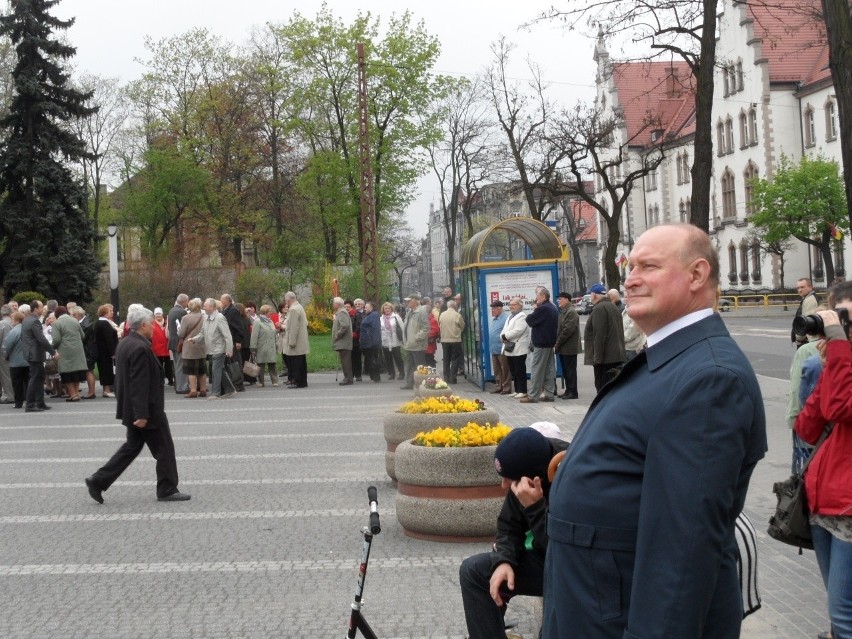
[[112, 232]]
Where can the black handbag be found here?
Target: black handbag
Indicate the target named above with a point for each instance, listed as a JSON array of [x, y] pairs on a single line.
[[508, 346], [790, 524]]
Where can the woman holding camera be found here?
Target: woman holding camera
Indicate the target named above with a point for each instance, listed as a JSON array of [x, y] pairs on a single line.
[[828, 479]]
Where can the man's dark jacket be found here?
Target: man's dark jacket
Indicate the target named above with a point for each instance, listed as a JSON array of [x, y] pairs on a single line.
[[568, 334], [138, 382], [543, 322], [177, 313], [604, 336], [33, 342], [236, 324], [514, 521]]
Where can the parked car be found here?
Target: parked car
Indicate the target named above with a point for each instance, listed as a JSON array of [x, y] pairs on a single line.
[[584, 306]]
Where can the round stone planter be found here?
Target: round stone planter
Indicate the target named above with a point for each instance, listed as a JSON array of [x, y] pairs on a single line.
[[419, 379], [401, 426], [448, 494], [422, 391]]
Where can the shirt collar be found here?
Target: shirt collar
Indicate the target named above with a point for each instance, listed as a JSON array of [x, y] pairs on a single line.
[[681, 322]]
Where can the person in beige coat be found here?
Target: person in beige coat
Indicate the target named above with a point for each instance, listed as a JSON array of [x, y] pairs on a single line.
[[452, 325], [415, 335], [341, 338], [296, 346]]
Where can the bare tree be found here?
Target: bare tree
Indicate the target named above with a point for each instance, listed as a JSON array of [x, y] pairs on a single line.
[[684, 29], [99, 131], [525, 115], [462, 159], [596, 152]]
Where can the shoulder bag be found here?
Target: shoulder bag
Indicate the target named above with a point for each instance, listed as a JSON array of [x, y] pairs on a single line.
[[251, 368], [790, 523]]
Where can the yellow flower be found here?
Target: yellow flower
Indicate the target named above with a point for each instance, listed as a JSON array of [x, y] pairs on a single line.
[[471, 434], [437, 405]]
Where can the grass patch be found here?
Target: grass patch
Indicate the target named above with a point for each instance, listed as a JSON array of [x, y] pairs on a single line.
[[321, 357]]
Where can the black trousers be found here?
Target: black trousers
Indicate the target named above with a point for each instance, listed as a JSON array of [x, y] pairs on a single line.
[[159, 442], [356, 358], [298, 367], [20, 376], [569, 373], [518, 368], [484, 617], [35, 385], [605, 373], [452, 353], [394, 356], [373, 363]]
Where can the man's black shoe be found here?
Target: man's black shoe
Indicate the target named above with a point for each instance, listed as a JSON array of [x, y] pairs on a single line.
[[94, 492], [34, 409], [181, 392], [7, 401], [45, 407], [346, 383], [406, 387], [177, 496], [569, 396]]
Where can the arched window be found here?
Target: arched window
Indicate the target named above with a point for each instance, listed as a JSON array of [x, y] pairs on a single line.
[[729, 135], [749, 176], [720, 138], [686, 167], [830, 120], [739, 75], [755, 261], [681, 209], [752, 125], [729, 198], [744, 141], [810, 129], [839, 258], [688, 210], [743, 261], [725, 82], [732, 262]]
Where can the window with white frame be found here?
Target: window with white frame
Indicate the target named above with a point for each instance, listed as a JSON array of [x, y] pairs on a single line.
[[651, 180], [830, 120], [755, 261], [739, 75], [752, 125], [688, 210], [810, 129], [681, 209], [686, 168], [729, 198], [726, 86], [720, 138]]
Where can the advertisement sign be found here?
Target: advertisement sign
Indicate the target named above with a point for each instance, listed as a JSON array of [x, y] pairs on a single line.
[[504, 285]]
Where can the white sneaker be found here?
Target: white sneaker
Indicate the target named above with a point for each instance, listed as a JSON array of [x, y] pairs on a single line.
[[212, 397], [519, 395], [227, 395]]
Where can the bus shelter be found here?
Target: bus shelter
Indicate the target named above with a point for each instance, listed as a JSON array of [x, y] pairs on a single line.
[[508, 259]]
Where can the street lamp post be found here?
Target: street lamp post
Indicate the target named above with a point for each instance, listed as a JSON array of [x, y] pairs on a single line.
[[112, 233]]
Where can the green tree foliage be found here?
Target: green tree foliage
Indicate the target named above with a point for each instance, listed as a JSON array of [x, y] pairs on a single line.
[[46, 242], [805, 201]]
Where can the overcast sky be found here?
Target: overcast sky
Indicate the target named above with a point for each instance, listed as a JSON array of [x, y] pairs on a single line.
[[109, 35]]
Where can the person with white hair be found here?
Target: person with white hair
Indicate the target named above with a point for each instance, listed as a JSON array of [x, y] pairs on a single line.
[[296, 345], [5, 371], [341, 339], [141, 408]]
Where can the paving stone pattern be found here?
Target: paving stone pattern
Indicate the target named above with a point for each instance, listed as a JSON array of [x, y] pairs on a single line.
[[270, 542]]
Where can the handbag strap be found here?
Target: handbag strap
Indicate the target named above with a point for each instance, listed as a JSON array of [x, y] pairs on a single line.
[[819, 443]]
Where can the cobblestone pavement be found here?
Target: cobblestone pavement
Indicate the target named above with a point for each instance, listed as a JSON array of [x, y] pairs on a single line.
[[269, 545]]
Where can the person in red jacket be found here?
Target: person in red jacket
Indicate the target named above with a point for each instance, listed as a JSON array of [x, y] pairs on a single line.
[[828, 479], [160, 345], [434, 333]]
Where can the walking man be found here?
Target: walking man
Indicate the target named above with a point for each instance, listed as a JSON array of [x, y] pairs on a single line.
[[543, 322], [141, 408], [176, 314]]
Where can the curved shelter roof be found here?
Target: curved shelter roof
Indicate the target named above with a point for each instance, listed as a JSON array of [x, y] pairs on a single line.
[[542, 242]]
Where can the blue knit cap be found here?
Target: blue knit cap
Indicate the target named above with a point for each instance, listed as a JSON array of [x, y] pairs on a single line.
[[524, 452]]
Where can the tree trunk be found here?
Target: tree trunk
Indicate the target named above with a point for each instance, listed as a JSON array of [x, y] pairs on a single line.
[[613, 273], [702, 167], [838, 25]]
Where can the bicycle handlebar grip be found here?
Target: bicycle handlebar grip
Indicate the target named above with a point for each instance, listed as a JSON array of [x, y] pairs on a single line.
[[372, 495]]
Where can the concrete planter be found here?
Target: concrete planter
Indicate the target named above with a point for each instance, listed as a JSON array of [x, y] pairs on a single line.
[[419, 379], [447, 494], [401, 426], [422, 391]]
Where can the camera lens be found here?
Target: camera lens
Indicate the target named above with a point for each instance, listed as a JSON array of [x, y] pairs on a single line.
[[808, 325]]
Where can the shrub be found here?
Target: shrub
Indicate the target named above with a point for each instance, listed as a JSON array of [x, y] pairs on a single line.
[[319, 322], [26, 297]]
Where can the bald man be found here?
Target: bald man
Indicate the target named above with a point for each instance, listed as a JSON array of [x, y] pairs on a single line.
[[642, 510]]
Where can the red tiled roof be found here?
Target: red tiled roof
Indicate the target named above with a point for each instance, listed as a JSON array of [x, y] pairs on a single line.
[[794, 40], [654, 89], [582, 210]]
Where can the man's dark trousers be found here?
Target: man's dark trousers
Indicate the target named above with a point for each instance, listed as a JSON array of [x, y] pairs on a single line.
[[452, 352], [605, 373], [35, 387], [569, 373], [159, 442], [484, 617]]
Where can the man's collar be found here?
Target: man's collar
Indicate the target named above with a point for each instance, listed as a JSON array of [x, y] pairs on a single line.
[[681, 322]]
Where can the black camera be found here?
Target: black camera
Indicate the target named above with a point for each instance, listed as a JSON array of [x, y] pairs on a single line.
[[812, 324]]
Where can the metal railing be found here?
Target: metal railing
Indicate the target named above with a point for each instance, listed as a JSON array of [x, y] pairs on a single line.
[[763, 302]]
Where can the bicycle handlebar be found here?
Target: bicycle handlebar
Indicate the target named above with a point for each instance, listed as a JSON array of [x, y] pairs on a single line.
[[372, 496]]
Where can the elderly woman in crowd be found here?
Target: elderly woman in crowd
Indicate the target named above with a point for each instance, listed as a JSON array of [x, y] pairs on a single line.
[[516, 345], [194, 354], [160, 345], [89, 346], [371, 342], [18, 365], [391, 324], [68, 340], [263, 338], [106, 341]]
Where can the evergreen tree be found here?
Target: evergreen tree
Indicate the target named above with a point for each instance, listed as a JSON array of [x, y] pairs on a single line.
[[46, 241]]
